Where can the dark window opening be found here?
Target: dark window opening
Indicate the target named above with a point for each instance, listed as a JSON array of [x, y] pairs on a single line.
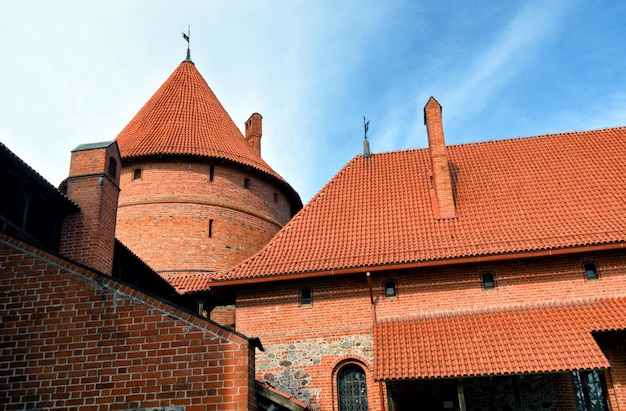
[[112, 167], [589, 390], [488, 281], [211, 172], [210, 228], [246, 183], [276, 197], [137, 174], [390, 289], [306, 296], [352, 389], [591, 271]]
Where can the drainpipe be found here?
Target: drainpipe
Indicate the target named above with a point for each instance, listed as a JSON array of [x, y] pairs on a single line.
[[373, 302], [369, 284]]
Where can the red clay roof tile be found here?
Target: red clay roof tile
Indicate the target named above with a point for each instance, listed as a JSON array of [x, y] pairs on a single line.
[[512, 196], [184, 117], [515, 340]]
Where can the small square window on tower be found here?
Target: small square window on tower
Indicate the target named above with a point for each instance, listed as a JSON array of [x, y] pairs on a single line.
[[137, 174], [488, 280], [246, 183], [591, 271]]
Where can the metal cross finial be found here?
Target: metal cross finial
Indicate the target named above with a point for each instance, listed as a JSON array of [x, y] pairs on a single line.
[[366, 126]]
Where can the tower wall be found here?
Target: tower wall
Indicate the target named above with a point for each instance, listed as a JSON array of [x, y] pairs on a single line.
[[175, 217]]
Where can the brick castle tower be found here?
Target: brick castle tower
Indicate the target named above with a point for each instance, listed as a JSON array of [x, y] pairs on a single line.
[[196, 196]]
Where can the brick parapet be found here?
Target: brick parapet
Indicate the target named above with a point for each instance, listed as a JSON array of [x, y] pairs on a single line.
[[72, 338]]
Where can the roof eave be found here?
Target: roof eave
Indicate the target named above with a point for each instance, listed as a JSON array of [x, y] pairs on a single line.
[[294, 198], [418, 264]]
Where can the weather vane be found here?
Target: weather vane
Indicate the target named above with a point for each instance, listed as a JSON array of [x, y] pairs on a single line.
[[186, 37], [366, 126]]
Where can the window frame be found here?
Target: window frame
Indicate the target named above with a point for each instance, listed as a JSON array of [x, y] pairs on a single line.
[[395, 289], [306, 301], [590, 266], [488, 275], [347, 403], [590, 390]]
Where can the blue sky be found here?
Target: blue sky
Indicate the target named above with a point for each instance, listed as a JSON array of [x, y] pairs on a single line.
[[77, 71]]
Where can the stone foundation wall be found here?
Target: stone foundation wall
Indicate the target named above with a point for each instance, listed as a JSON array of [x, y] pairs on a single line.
[[304, 368]]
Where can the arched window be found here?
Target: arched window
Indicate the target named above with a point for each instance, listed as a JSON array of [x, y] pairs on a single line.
[[352, 388]]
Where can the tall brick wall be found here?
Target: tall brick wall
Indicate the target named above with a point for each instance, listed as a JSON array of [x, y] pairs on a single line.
[[175, 218], [71, 340], [304, 344]]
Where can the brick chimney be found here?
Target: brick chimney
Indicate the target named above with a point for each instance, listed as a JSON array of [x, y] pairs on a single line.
[[254, 132], [88, 236], [441, 189]]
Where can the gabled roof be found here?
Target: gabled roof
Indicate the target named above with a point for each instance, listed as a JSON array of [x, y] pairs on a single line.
[[554, 338], [538, 194], [184, 117]]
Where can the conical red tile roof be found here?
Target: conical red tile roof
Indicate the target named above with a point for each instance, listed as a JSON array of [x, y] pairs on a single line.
[[184, 117]]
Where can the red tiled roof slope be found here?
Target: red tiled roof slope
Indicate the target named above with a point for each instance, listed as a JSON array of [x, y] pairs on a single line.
[[516, 195], [514, 340], [184, 117]]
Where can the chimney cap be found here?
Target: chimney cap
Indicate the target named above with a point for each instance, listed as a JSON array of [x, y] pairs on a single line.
[[93, 146], [430, 102]]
